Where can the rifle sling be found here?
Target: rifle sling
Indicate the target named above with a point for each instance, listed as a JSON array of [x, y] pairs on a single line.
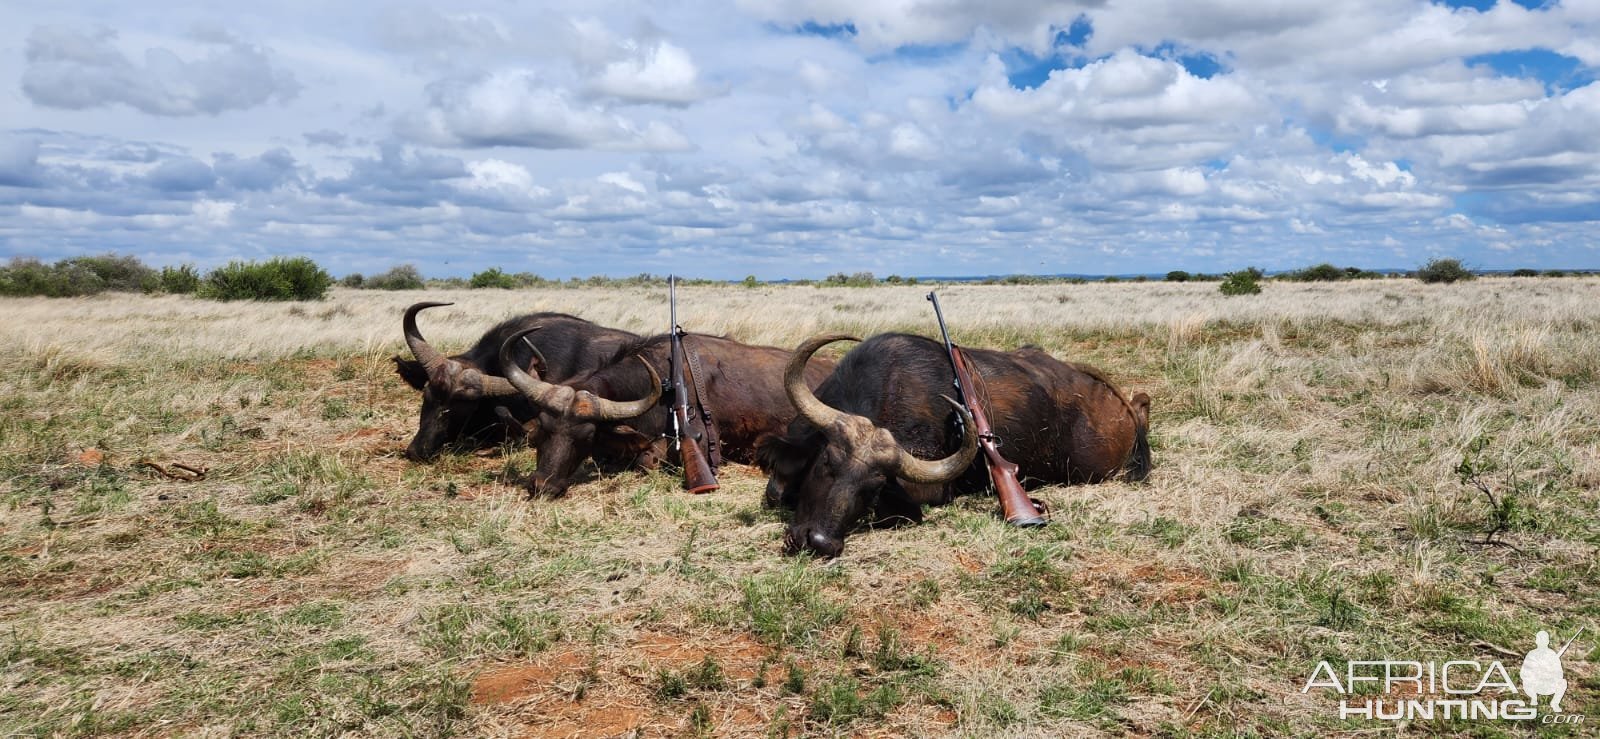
[[691, 367], [969, 396]]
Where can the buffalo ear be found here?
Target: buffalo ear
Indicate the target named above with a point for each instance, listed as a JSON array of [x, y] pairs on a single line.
[[411, 371], [777, 454], [624, 442], [626, 436]]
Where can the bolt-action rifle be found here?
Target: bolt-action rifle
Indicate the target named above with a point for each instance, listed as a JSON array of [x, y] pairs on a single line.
[[1015, 505], [698, 477]]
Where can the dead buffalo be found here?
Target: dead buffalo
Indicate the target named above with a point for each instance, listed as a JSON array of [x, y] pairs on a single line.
[[1060, 423], [614, 413], [466, 400]]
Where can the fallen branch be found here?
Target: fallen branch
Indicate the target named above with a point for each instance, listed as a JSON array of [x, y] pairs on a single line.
[[191, 474]]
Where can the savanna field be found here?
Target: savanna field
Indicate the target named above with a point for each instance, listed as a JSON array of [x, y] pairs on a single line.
[[207, 527]]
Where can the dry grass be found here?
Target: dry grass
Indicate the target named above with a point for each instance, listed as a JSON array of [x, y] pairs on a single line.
[[1306, 505]]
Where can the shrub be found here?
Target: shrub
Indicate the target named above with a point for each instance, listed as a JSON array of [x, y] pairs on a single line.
[[1555, 273], [122, 274], [1177, 275], [750, 281], [402, 277], [77, 276], [354, 279], [183, 279], [1443, 270], [1525, 272], [493, 277], [858, 279], [1111, 278], [1324, 272], [279, 278], [1243, 282]]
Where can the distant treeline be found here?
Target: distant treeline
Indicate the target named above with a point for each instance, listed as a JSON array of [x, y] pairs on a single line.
[[300, 278]]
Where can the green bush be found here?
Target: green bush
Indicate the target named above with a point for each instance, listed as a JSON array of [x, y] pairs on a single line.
[[29, 276], [1555, 273], [493, 278], [1243, 282], [183, 279], [279, 278], [402, 277], [858, 279], [1525, 272], [120, 274], [1324, 272], [1443, 270], [77, 276], [1177, 275]]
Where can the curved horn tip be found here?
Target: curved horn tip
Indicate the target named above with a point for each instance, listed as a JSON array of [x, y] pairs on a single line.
[[431, 359], [506, 362], [943, 470], [603, 409]]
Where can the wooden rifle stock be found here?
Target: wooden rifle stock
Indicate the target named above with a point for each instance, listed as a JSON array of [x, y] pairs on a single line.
[[697, 474], [1015, 505]]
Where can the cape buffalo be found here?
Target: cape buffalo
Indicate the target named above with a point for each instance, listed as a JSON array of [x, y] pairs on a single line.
[[613, 413], [1060, 423], [465, 399]]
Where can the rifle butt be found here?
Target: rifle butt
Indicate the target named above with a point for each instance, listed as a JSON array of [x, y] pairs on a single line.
[[1015, 506], [697, 475]]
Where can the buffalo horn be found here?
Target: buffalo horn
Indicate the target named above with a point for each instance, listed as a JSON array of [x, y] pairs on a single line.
[[622, 410], [432, 361], [820, 414], [543, 393], [920, 470]]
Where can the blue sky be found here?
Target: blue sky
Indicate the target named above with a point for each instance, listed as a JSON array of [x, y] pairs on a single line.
[[796, 138]]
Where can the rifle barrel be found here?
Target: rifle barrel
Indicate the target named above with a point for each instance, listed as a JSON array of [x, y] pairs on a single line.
[[1570, 641]]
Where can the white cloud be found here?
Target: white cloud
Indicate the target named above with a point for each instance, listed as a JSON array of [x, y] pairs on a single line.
[[75, 69], [515, 108], [655, 73]]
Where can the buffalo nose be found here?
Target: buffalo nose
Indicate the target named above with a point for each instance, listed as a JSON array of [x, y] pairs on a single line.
[[546, 488], [823, 544], [774, 496], [416, 454]]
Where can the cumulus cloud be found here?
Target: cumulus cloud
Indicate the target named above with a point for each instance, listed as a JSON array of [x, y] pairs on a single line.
[[181, 174], [270, 170], [1127, 111], [653, 73], [75, 69], [514, 108]]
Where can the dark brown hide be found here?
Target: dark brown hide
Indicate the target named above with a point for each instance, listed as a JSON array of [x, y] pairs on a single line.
[[743, 386]]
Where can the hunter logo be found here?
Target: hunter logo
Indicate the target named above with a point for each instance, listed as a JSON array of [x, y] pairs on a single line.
[[1542, 673], [1457, 689]]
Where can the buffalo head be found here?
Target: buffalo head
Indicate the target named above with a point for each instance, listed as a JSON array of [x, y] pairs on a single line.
[[458, 397], [575, 422], [834, 474]]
